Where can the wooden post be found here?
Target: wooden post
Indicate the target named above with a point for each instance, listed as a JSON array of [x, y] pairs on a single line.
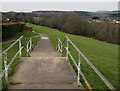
[[6, 68], [78, 78], [20, 47], [67, 51]]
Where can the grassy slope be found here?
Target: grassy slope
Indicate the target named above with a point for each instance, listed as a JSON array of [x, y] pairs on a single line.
[[18, 35], [14, 50], [25, 34], [103, 55]]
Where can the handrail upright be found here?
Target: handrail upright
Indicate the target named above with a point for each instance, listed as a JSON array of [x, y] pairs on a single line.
[[67, 48], [79, 68], [6, 68], [20, 47]]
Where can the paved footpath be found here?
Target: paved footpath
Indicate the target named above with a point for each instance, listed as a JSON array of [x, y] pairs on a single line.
[[45, 69]]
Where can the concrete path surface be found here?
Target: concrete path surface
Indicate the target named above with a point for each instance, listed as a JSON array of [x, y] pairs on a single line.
[[45, 69]]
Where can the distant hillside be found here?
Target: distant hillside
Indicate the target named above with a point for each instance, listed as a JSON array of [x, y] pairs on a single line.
[[114, 14], [84, 13], [39, 13], [101, 14]]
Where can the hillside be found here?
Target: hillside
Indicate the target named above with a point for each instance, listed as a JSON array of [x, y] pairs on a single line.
[[101, 14], [103, 55]]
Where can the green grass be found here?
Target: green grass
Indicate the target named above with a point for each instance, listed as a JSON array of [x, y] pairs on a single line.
[[9, 23], [25, 34], [103, 55], [13, 51]]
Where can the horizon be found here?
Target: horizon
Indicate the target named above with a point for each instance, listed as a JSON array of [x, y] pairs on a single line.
[[59, 11]]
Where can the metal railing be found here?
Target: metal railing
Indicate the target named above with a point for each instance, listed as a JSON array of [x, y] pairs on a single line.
[[61, 49], [19, 52]]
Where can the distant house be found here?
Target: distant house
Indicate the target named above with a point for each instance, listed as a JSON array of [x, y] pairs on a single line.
[[5, 20], [115, 21]]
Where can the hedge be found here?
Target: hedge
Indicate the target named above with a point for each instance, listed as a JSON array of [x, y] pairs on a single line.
[[9, 30]]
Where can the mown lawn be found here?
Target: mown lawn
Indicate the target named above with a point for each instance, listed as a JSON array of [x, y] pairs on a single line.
[[103, 55], [25, 34], [13, 51]]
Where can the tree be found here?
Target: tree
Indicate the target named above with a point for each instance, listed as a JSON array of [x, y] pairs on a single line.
[[21, 17], [12, 16]]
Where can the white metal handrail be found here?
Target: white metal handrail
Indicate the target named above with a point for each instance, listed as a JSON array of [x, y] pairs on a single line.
[[29, 43], [21, 47], [78, 66], [11, 46]]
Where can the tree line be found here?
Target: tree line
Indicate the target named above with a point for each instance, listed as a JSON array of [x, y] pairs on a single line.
[[71, 23]]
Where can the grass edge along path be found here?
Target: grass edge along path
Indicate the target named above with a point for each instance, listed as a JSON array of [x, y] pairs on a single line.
[[104, 56], [12, 52]]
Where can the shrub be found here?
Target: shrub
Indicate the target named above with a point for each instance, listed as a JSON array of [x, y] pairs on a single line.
[[8, 30]]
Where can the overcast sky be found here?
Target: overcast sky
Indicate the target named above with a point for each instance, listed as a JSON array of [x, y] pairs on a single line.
[[69, 5]]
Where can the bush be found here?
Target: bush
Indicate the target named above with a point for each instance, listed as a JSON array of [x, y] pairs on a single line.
[[9, 30]]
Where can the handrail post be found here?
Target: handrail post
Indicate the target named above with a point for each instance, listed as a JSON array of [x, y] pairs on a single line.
[[27, 49], [78, 78], [30, 43], [67, 51], [6, 68], [20, 47], [57, 45], [61, 49]]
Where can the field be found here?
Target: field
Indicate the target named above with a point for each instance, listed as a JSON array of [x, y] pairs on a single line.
[[13, 51], [103, 55]]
